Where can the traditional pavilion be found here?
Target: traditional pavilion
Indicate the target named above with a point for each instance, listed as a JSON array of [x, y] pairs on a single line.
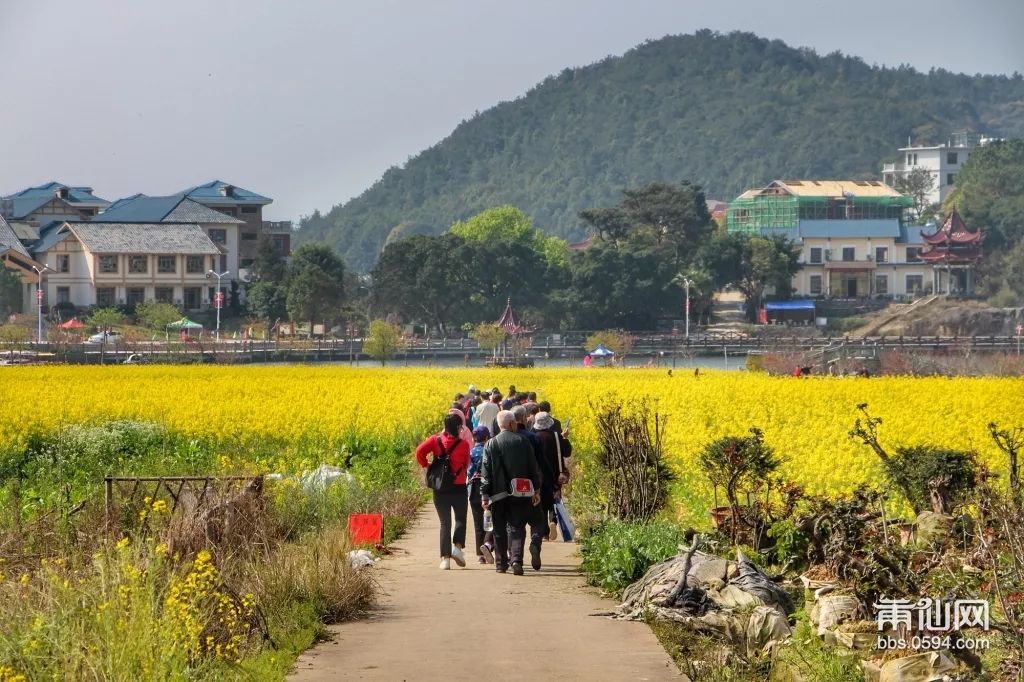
[[953, 251], [514, 329]]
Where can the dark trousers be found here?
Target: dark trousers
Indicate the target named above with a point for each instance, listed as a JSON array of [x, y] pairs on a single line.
[[510, 517], [445, 504], [538, 524], [477, 508]]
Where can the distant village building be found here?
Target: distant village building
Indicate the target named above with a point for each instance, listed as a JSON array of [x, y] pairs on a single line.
[[139, 248], [852, 238], [942, 161]]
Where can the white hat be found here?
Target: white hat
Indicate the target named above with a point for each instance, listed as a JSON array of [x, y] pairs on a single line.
[[542, 421], [471, 389]]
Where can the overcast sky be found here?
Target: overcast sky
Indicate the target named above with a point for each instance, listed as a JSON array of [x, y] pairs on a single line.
[[309, 101]]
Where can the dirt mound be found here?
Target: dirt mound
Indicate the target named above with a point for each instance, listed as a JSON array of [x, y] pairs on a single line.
[[950, 318]]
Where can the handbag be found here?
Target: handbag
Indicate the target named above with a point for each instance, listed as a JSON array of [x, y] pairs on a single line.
[[565, 523]]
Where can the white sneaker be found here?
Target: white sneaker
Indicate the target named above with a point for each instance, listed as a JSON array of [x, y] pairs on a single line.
[[446, 564], [460, 559]]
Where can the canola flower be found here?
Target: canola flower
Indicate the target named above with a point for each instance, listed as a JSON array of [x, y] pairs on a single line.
[[806, 420]]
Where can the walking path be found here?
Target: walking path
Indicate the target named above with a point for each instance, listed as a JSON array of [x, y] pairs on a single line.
[[474, 624]]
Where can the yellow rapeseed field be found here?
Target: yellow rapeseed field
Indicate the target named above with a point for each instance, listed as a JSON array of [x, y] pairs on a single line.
[[805, 419]]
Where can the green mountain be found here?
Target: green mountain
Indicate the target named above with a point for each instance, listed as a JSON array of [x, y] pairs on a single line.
[[726, 111]]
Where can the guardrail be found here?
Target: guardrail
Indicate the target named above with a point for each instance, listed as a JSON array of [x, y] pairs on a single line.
[[339, 350]]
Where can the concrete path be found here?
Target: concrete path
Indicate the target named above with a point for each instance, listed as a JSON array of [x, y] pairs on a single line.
[[475, 624]]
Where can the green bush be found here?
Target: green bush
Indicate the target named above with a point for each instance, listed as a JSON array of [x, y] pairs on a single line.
[[617, 554]]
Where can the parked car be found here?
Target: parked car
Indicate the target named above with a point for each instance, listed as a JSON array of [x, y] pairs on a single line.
[[136, 359], [105, 337]]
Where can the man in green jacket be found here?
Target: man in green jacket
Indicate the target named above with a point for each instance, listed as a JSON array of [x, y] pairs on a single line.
[[506, 456]]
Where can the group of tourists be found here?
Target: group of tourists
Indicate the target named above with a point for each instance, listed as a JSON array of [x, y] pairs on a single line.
[[504, 457]]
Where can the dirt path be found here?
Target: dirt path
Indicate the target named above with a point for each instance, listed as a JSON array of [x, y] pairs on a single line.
[[543, 620]]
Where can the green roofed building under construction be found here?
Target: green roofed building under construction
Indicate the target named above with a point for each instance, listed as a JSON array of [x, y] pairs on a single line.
[[783, 204]]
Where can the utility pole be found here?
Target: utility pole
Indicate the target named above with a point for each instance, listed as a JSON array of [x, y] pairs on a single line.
[[39, 301], [218, 298], [687, 281]]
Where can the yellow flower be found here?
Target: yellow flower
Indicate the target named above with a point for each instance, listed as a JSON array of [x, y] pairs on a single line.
[[24, 579], [123, 543], [160, 506]]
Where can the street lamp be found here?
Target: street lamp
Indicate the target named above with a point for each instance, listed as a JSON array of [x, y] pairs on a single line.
[[39, 300], [687, 281], [218, 299]]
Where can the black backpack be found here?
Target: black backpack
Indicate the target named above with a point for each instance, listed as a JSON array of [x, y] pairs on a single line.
[[440, 477]]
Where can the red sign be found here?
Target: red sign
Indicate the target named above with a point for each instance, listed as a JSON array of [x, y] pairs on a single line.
[[1020, 328], [39, 296], [218, 299]]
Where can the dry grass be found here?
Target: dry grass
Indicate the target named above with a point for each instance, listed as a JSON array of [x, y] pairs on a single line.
[[316, 571]]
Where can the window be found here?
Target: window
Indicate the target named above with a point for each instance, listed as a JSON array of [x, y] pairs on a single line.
[[849, 254], [882, 285], [250, 209], [194, 264], [280, 243], [138, 264], [227, 210], [104, 296], [192, 297], [218, 235], [815, 254], [223, 263], [915, 283], [63, 295], [135, 295], [881, 254], [164, 294], [166, 264], [950, 177], [815, 285], [951, 158], [249, 236], [913, 254], [246, 262], [910, 161], [108, 264], [63, 263]]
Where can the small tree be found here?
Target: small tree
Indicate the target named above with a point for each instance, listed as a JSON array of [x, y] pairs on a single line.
[[383, 341], [632, 459], [928, 476], [156, 315], [105, 318], [14, 334], [489, 336], [10, 292], [738, 464]]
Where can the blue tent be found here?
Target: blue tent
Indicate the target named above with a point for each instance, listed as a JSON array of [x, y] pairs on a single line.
[[789, 311], [601, 352]]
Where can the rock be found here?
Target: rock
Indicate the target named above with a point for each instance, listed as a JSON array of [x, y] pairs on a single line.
[[932, 528]]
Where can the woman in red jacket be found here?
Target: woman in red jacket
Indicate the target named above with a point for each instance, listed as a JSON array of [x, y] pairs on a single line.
[[455, 499]]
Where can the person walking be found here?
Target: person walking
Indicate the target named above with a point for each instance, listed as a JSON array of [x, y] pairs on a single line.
[[538, 519], [487, 411], [449, 454], [509, 473], [484, 538]]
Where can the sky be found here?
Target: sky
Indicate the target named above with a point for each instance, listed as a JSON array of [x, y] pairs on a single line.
[[310, 101]]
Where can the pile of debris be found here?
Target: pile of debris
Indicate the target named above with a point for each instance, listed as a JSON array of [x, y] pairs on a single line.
[[732, 600]]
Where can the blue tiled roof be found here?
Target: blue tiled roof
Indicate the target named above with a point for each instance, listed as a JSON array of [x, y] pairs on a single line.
[[139, 209], [211, 192], [880, 227], [28, 200], [911, 234], [174, 208], [48, 237]]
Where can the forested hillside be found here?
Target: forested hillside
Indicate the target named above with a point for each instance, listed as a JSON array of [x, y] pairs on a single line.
[[724, 111]]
